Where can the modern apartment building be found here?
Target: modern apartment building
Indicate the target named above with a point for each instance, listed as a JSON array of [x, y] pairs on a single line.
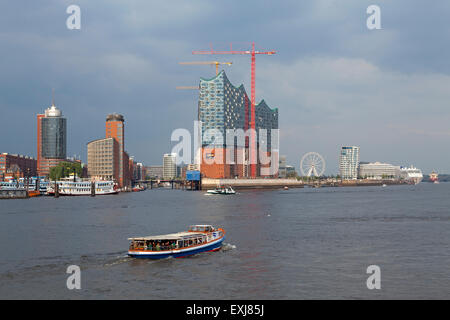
[[349, 162]]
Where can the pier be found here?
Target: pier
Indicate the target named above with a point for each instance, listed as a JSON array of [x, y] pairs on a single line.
[[14, 194], [174, 184]]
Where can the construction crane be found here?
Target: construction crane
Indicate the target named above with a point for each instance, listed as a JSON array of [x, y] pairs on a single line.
[[253, 54], [188, 87], [217, 63]]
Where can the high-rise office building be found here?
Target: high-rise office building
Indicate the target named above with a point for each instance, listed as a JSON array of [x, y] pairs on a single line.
[[223, 107], [115, 128], [51, 139], [349, 162], [170, 166]]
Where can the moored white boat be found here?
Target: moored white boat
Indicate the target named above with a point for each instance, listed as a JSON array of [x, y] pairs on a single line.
[[199, 238], [83, 188]]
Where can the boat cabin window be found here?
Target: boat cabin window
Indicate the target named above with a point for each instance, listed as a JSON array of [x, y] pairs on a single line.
[[153, 245], [200, 228]]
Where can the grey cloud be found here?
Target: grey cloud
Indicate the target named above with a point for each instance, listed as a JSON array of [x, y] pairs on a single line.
[[328, 68]]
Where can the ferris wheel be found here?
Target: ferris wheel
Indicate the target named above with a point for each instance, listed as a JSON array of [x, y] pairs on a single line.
[[312, 164]]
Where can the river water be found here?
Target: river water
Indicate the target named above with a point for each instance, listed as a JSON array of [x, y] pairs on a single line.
[[280, 244]]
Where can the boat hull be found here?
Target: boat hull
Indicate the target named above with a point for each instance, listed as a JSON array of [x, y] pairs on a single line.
[[178, 253], [219, 192], [65, 194]]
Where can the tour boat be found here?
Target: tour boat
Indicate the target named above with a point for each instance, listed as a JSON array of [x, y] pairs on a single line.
[[199, 238], [83, 188], [21, 185], [222, 190], [10, 185]]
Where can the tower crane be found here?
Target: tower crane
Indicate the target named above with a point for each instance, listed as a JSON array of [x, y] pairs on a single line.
[[217, 63]]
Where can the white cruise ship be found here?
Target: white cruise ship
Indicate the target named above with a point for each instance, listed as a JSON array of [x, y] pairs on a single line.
[[411, 174]]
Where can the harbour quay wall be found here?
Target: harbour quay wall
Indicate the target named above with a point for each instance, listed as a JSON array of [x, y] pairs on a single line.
[[13, 194], [208, 183], [368, 182]]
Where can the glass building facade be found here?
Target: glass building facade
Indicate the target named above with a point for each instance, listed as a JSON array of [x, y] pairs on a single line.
[[349, 162], [223, 108], [54, 137], [51, 139]]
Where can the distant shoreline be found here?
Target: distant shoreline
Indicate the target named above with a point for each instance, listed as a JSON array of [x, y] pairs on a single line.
[[292, 183]]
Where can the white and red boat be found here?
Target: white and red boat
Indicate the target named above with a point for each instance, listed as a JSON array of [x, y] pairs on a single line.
[[434, 177], [199, 238]]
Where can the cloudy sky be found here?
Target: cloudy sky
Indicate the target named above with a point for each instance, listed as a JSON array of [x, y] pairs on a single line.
[[334, 81]]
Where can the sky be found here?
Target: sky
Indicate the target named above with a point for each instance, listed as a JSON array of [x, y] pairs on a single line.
[[334, 81]]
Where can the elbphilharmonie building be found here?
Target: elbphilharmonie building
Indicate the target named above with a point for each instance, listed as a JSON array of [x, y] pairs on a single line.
[[224, 109]]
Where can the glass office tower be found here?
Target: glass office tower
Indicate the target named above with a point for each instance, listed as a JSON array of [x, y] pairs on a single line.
[[54, 134], [51, 139]]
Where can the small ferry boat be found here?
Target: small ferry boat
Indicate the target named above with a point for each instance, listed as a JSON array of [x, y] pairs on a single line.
[[222, 190], [137, 189], [199, 238], [83, 188]]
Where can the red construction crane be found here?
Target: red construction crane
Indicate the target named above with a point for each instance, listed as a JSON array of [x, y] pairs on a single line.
[[253, 54]]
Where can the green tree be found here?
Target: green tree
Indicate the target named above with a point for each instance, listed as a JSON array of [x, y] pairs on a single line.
[[291, 174], [65, 169]]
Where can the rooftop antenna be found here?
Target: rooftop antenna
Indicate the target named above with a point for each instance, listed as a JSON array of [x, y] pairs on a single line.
[[53, 96]]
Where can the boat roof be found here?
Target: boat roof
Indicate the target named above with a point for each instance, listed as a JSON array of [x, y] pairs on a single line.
[[170, 236]]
